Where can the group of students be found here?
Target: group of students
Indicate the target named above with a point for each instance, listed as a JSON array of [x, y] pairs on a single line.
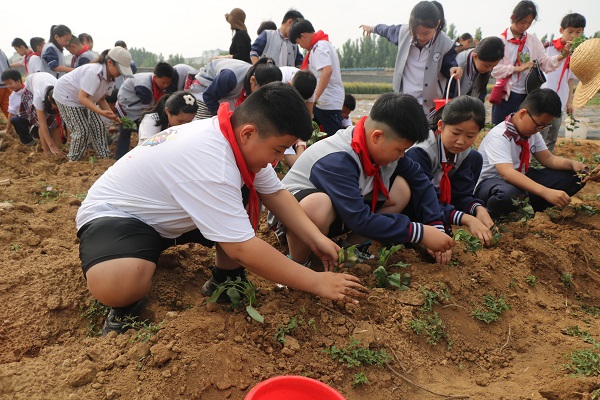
[[402, 174]]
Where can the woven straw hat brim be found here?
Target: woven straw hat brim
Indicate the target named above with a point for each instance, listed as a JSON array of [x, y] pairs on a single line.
[[584, 93], [585, 64]]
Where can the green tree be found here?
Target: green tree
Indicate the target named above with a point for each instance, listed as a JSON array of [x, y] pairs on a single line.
[[373, 52], [451, 31], [478, 35], [597, 34], [175, 59], [143, 58]]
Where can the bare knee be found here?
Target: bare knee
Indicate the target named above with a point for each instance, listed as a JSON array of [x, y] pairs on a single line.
[[120, 282], [320, 210]]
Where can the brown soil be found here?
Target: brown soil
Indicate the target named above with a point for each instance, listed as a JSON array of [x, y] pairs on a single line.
[[210, 352]]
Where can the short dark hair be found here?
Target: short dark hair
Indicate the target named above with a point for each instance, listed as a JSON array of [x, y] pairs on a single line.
[[74, 40], [264, 71], [349, 101], [36, 41], [85, 37], [292, 14], [523, 9], [305, 83], [58, 30], [573, 20], [490, 49], [18, 42], [120, 43], [49, 101], [427, 14], [11, 74], [466, 36], [163, 70], [543, 101], [403, 114], [298, 28], [464, 108], [266, 25], [276, 109], [176, 103]]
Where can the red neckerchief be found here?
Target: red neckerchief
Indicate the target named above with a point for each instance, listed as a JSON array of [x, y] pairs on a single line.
[[76, 56], [224, 117], [240, 100], [26, 58], [156, 91], [520, 42], [359, 145], [512, 133], [558, 45], [445, 185], [319, 35], [60, 124]]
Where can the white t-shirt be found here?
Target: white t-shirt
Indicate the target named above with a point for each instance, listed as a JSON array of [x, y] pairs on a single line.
[[148, 127], [14, 102], [414, 73], [35, 65], [37, 84], [288, 74], [322, 55], [183, 178], [91, 78], [553, 77], [496, 148]]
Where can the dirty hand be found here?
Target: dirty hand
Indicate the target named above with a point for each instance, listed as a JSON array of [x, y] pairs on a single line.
[[56, 151], [327, 250], [441, 257], [482, 232], [457, 72], [343, 287], [482, 214], [556, 197], [436, 240], [593, 175], [367, 30]]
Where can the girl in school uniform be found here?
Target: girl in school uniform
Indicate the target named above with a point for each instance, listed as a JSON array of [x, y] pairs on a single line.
[[173, 109], [454, 167], [81, 99], [426, 56], [39, 108], [477, 65], [521, 49], [230, 80], [53, 60]]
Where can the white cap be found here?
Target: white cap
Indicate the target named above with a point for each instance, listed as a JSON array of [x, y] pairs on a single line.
[[122, 58]]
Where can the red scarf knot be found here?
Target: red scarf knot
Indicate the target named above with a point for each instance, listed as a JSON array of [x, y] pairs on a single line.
[[512, 133], [520, 42], [319, 35], [156, 91], [224, 117], [558, 45], [359, 145]]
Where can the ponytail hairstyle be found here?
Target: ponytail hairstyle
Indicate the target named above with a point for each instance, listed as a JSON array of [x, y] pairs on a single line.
[[490, 49], [460, 109], [428, 14], [58, 30], [176, 103], [264, 71], [49, 101], [523, 9], [102, 57]]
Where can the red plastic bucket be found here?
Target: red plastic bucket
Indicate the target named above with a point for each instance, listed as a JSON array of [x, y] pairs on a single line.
[[439, 103], [291, 387]]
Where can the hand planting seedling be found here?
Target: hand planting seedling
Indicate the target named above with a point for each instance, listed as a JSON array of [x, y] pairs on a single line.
[[472, 243], [347, 256], [128, 124], [396, 280], [235, 290]]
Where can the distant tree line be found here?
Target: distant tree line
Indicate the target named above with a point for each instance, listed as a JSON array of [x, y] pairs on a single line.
[[144, 58]]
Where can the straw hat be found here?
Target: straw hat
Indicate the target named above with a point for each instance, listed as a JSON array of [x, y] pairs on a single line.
[[585, 64], [236, 19]]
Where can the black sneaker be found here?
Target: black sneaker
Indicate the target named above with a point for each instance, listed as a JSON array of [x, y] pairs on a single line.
[[362, 251], [120, 319], [211, 285]]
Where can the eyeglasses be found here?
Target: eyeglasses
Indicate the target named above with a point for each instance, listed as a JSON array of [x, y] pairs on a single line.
[[538, 127]]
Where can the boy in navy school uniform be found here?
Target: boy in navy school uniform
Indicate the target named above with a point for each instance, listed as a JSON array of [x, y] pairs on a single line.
[[506, 152], [186, 185], [359, 180]]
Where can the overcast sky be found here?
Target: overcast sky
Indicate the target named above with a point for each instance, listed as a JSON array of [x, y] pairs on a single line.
[[177, 28]]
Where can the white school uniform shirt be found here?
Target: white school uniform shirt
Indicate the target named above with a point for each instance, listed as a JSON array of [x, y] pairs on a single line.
[[181, 179], [322, 55], [148, 127], [288, 74], [414, 73], [35, 64], [496, 148], [37, 84], [14, 101], [91, 78], [552, 78]]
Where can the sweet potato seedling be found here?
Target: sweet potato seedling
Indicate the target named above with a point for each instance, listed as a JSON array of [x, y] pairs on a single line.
[[472, 243], [355, 355], [128, 124], [360, 379], [395, 280], [347, 256], [493, 308], [431, 326], [239, 291], [283, 330]]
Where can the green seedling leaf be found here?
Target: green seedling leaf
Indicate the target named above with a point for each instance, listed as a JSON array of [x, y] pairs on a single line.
[[128, 124], [255, 315], [348, 256]]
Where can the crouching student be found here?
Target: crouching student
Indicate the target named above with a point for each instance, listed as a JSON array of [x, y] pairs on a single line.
[[454, 167], [507, 150], [12, 79], [195, 174], [172, 109], [358, 180]]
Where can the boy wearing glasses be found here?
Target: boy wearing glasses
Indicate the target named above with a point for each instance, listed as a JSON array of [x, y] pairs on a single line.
[[507, 150]]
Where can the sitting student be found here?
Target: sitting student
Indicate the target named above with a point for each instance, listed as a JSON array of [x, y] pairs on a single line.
[[228, 80], [39, 108], [171, 110], [453, 167], [323, 61], [507, 150], [12, 79], [347, 108], [81, 99], [358, 180], [24, 51], [478, 64], [138, 93], [81, 54], [35, 61], [196, 173], [53, 60]]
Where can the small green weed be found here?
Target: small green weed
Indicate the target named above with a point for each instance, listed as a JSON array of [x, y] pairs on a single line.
[[145, 329], [47, 193], [493, 308], [239, 291], [286, 329], [92, 159], [355, 355], [95, 314], [360, 379], [431, 326], [531, 280], [81, 196], [575, 331], [587, 210], [590, 310], [524, 211], [567, 279], [432, 297], [595, 395], [585, 362], [472, 244], [14, 246]]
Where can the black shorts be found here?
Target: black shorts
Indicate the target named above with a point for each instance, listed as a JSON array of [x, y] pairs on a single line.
[[110, 238]]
